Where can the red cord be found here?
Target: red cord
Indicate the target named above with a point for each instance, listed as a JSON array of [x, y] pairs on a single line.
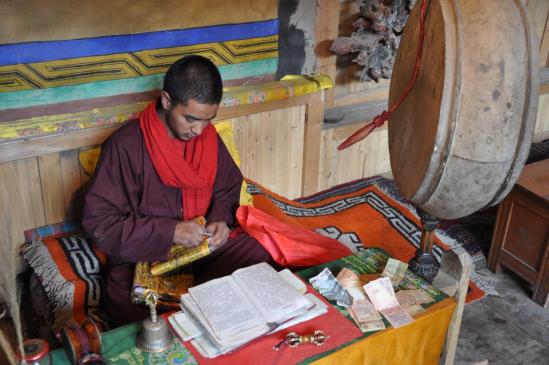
[[380, 119]]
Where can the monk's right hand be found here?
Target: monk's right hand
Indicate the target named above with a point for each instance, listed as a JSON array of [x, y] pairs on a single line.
[[188, 233]]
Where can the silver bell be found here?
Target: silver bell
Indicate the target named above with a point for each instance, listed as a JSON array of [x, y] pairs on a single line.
[[155, 336]]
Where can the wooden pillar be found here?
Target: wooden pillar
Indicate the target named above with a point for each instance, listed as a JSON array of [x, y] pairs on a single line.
[[326, 29]]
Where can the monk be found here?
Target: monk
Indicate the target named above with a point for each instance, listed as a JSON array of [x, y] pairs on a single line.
[[155, 174]]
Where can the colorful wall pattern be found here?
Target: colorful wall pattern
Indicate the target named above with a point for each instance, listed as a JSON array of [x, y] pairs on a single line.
[[112, 68]]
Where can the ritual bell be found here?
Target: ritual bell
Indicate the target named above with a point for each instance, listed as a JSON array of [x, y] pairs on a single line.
[[155, 336]]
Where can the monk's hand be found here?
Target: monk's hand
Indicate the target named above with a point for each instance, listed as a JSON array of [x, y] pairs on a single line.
[[188, 233], [220, 233]]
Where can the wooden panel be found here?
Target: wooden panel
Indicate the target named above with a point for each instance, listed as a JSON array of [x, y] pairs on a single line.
[[542, 122], [366, 158], [48, 187], [296, 158], [521, 234], [527, 232], [72, 184], [21, 206], [247, 140], [51, 180], [270, 145], [61, 182], [538, 10], [544, 79]]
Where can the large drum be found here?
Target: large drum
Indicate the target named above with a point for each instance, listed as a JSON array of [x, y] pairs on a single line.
[[460, 139]]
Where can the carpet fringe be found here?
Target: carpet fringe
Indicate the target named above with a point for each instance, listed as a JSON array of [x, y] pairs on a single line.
[[59, 291]]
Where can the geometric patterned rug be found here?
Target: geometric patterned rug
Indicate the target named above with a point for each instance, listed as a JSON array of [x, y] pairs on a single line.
[[359, 214]]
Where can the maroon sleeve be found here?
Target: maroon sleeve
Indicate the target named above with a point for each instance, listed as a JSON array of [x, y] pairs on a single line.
[[226, 191], [111, 215]]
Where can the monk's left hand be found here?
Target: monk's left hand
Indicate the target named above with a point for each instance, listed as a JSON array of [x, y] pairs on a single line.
[[220, 233]]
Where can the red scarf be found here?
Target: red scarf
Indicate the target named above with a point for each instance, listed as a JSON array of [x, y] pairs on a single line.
[[188, 165]]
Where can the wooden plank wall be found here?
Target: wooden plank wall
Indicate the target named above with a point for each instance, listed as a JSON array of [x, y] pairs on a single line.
[[368, 158], [270, 146]]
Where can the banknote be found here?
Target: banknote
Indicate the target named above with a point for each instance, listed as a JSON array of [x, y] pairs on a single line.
[[365, 310], [395, 270], [410, 297], [368, 326], [327, 285], [397, 316], [383, 298], [348, 279], [413, 309], [381, 293]]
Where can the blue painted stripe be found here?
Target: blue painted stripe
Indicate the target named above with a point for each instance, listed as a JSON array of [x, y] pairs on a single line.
[[56, 50], [28, 98]]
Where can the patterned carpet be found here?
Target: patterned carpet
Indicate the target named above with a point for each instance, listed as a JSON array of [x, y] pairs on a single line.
[[363, 213]]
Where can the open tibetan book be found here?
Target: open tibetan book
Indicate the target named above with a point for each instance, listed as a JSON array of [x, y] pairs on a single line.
[[235, 309]]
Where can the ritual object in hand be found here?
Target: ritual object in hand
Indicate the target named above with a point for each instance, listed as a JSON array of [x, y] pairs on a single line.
[[180, 256]]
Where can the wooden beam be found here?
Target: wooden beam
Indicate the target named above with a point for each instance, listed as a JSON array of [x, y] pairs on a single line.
[[41, 145], [247, 109], [45, 144], [374, 94]]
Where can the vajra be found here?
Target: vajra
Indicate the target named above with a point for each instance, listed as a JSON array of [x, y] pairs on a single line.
[[292, 339]]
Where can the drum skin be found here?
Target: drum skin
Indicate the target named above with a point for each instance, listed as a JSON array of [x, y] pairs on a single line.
[[460, 139]]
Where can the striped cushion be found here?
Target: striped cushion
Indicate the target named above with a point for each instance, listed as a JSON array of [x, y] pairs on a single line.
[[70, 271]]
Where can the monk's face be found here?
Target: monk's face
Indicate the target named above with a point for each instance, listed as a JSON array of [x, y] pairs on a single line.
[[187, 121]]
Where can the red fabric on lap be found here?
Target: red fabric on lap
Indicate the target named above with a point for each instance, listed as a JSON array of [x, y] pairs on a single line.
[[289, 244]]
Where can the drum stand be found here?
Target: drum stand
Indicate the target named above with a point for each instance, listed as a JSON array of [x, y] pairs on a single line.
[[425, 263]]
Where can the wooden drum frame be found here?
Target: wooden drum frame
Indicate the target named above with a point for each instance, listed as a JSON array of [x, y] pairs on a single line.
[[460, 139]]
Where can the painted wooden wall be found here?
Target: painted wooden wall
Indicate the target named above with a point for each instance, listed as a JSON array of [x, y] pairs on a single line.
[[42, 181]]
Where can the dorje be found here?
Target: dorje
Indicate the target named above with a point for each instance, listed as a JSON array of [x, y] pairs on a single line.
[[292, 339]]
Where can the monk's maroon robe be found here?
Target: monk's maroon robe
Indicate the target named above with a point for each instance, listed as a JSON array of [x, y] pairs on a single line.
[[131, 216]]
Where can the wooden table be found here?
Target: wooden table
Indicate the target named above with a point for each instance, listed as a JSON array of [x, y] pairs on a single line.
[[521, 235]]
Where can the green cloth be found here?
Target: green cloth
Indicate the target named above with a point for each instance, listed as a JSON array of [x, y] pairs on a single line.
[[118, 348], [368, 261]]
